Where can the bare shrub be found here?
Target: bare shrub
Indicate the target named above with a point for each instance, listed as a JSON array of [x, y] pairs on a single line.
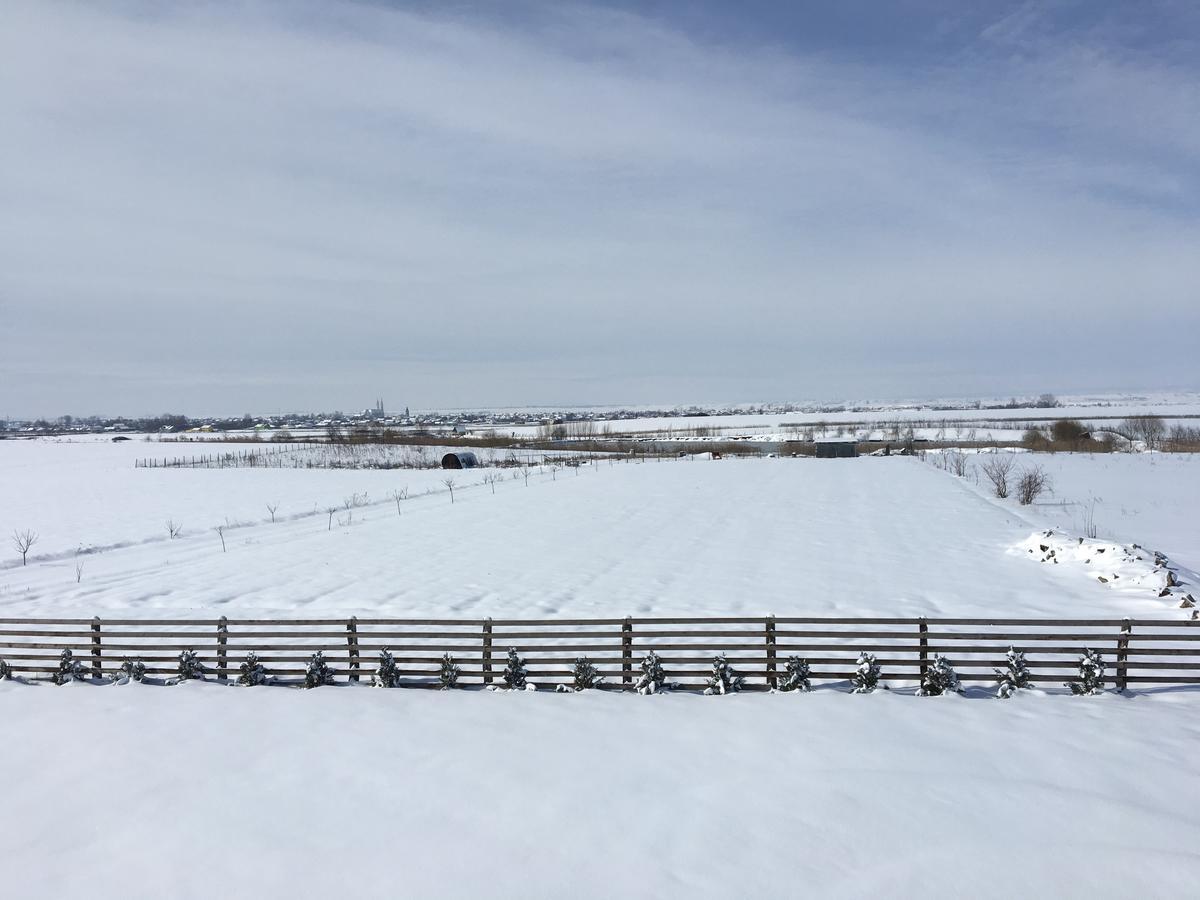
[[271, 507], [997, 469], [1035, 439], [1068, 431], [23, 540], [1031, 483], [174, 529], [1089, 521], [449, 483]]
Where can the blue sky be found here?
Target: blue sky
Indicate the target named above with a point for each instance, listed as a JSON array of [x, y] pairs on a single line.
[[264, 206]]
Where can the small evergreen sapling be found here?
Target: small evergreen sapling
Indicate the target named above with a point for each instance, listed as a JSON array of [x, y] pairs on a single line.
[[1014, 676], [69, 669], [1091, 674], [386, 673], [514, 672], [795, 676], [318, 671], [584, 677], [5, 671], [252, 671], [725, 679], [866, 674], [653, 679], [131, 670], [940, 678], [449, 673], [189, 666]]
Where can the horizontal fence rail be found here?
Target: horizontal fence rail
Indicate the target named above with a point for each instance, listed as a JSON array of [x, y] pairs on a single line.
[[1135, 651]]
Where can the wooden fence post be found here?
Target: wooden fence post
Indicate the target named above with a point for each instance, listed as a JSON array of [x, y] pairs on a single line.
[[771, 679], [487, 650], [923, 631], [1123, 656], [627, 651], [222, 659], [96, 668], [352, 644]]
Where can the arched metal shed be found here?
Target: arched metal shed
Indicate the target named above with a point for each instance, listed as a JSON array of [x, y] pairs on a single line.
[[460, 459]]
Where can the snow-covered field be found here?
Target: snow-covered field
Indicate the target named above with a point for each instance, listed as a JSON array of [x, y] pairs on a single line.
[[882, 536], [204, 790]]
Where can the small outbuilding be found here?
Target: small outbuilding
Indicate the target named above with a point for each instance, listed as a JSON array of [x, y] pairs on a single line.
[[836, 449], [460, 459]]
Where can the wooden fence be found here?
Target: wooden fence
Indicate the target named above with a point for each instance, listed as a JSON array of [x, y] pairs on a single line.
[[1135, 651]]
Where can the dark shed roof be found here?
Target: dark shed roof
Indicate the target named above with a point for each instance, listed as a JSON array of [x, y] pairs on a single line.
[[836, 449]]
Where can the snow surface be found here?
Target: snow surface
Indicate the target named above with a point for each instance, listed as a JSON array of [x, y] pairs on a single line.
[[204, 791], [882, 536]]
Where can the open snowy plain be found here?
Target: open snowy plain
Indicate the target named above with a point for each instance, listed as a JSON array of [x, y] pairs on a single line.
[[276, 791]]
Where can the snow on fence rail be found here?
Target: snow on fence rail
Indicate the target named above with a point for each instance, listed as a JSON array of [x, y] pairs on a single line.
[[1137, 651]]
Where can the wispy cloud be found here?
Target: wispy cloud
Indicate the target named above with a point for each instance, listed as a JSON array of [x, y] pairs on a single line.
[[280, 204]]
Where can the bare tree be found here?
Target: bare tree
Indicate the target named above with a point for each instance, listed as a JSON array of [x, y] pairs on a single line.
[[271, 507], [491, 478], [398, 496], [1031, 483], [1150, 429], [221, 534], [174, 529], [957, 463], [526, 472], [331, 510], [78, 570], [23, 540], [449, 483], [997, 469]]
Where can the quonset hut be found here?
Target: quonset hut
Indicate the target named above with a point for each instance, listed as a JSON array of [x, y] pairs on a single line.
[[460, 459]]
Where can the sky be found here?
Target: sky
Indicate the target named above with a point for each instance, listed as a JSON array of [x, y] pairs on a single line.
[[254, 206]]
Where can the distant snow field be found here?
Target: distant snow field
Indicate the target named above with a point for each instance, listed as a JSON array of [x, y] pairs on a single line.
[[881, 536], [595, 795]]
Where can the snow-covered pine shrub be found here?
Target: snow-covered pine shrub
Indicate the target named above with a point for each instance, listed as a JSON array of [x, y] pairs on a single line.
[[386, 673], [1014, 676], [449, 674], [584, 675], [514, 671], [69, 669], [1091, 674], [795, 675], [252, 671], [866, 674], [318, 671], [725, 679], [189, 666], [940, 678], [653, 679], [5, 670], [131, 670]]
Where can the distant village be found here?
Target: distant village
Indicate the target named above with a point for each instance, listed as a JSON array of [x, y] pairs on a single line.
[[434, 421]]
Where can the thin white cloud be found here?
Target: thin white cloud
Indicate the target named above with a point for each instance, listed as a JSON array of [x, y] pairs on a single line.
[[292, 202]]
